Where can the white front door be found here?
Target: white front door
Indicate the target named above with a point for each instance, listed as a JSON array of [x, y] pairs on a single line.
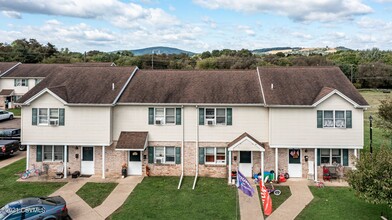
[[245, 165], [295, 165], [135, 163], [87, 165]]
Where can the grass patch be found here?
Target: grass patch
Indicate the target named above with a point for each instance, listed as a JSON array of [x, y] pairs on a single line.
[[374, 98], [10, 190], [277, 200], [340, 203], [95, 193], [159, 198], [16, 111]]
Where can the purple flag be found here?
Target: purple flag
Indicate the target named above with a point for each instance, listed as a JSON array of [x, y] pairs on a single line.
[[244, 185]]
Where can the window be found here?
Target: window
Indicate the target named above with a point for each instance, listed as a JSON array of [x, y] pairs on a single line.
[[54, 114], [165, 116], [21, 82], [43, 116], [215, 155], [215, 116], [53, 153], [164, 155], [331, 156], [335, 119]]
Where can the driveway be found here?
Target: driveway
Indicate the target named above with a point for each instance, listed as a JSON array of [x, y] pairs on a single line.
[[14, 123], [5, 161]]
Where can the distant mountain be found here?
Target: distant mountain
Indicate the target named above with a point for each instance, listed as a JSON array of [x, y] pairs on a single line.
[[264, 50], [342, 48], [160, 50]]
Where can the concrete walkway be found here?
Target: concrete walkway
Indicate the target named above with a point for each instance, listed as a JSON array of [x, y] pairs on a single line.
[[5, 161], [79, 209], [300, 197], [250, 207]]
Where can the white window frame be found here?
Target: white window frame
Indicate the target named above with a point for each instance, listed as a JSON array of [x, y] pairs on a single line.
[[163, 117], [334, 118], [330, 156], [164, 155], [21, 82], [215, 116], [216, 162], [48, 115], [52, 152]]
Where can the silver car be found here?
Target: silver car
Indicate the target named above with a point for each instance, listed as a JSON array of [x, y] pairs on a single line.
[[6, 115]]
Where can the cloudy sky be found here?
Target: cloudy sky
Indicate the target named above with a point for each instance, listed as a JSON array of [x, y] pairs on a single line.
[[198, 25]]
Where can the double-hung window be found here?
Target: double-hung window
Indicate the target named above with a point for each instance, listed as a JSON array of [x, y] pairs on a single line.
[[21, 82], [165, 116], [164, 155], [45, 115], [334, 119], [215, 116], [53, 153], [331, 156], [215, 155]]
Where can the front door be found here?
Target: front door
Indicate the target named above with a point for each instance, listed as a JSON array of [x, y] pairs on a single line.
[[135, 163], [295, 166], [87, 166], [245, 166]]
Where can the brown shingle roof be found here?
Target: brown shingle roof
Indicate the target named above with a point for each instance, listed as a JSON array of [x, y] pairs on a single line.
[[6, 92], [132, 140], [194, 86], [242, 136], [305, 85], [4, 66], [83, 85]]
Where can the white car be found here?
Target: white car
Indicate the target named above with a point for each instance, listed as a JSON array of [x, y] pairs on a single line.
[[6, 115]]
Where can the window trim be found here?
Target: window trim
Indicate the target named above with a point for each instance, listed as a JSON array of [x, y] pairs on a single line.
[[215, 156], [164, 155], [334, 118], [163, 121], [20, 81], [52, 152], [330, 156], [48, 117], [215, 116]]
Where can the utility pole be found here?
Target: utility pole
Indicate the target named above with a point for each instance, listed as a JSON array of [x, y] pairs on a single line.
[[85, 53], [152, 59], [371, 134], [351, 65]]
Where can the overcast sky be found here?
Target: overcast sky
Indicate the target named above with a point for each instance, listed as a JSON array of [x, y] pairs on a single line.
[[198, 25]]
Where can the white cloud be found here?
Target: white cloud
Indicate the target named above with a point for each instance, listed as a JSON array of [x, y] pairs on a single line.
[[172, 8], [207, 20], [12, 14], [370, 23], [301, 35], [120, 14], [247, 30], [300, 10]]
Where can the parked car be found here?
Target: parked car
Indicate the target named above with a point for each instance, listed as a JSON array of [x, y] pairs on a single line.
[[43, 208], [8, 147], [12, 134], [6, 115]]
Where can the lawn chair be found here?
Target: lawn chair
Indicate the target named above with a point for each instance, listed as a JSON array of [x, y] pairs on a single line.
[[333, 172], [60, 171], [326, 174]]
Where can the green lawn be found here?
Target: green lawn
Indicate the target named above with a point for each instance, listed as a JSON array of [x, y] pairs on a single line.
[[340, 203], [374, 98], [95, 193], [11, 190], [16, 111], [159, 198], [277, 200]]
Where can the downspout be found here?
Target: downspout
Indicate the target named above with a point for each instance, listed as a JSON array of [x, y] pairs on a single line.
[[182, 147], [197, 148]]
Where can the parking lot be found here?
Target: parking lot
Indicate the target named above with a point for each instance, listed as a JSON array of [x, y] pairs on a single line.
[[14, 123]]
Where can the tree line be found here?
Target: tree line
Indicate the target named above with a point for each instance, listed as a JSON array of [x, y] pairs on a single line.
[[365, 68]]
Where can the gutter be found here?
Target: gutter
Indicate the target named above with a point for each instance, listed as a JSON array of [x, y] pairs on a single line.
[[182, 148], [197, 148]]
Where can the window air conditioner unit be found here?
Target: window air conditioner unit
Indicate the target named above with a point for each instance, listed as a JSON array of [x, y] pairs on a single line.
[[54, 122], [159, 160], [158, 122], [210, 121]]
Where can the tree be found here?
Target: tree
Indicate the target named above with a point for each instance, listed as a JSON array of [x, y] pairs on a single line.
[[372, 178], [385, 113]]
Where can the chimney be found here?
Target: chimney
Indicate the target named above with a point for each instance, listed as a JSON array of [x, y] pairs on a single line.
[[272, 86], [113, 86]]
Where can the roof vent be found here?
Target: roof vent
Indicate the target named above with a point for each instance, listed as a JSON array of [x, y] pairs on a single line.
[[272, 86], [113, 86]]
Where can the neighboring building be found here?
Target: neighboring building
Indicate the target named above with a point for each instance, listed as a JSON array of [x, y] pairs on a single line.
[[203, 123], [16, 79]]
